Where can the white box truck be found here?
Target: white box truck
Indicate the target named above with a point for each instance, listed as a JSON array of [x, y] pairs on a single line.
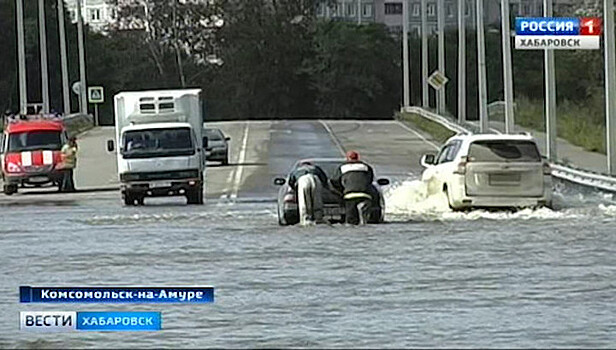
[[160, 144]]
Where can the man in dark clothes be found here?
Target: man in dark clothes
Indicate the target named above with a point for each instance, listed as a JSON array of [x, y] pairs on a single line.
[[354, 179]]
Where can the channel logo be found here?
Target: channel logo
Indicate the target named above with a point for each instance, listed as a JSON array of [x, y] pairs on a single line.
[[551, 33], [63, 321]]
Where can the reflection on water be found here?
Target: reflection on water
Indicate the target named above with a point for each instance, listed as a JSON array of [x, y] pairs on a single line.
[[429, 278]]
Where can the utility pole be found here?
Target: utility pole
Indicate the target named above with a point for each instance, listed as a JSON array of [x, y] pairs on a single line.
[[441, 94], [359, 12], [63, 60], [507, 68], [481, 68], [425, 89], [44, 66], [550, 93], [21, 58], [83, 102], [405, 51], [461, 61], [610, 85]]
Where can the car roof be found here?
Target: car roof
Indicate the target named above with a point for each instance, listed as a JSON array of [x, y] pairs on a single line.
[[213, 129], [321, 160], [38, 125], [492, 137]]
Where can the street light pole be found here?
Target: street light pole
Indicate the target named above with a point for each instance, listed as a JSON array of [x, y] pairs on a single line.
[[83, 103], [461, 61], [507, 68], [550, 93], [21, 58], [405, 51], [610, 85], [359, 12], [63, 60], [425, 89], [44, 67], [441, 93], [481, 67]]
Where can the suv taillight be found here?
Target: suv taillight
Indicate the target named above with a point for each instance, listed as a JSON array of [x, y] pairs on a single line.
[[461, 168]]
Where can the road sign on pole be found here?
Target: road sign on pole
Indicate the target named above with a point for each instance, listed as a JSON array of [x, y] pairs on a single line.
[[437, 80], [96, 95]]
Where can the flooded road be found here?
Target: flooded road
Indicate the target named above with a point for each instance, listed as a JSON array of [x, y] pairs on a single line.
[[427, 278]]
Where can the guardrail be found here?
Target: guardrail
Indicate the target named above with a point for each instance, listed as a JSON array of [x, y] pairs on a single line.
[[579, 176]]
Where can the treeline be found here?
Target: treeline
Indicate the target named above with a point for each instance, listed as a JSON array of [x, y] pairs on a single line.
[[271, 59], [252, 59]]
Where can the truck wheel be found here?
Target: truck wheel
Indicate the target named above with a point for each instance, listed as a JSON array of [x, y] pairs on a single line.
[[195, 196], [129, 199], [10, 189]]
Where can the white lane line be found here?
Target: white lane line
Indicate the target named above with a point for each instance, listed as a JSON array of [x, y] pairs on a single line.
[[333, 137], [240, 163], [419, 135]]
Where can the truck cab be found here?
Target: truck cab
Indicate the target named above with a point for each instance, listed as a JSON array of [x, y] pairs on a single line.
[[31, 154], [160, 147]]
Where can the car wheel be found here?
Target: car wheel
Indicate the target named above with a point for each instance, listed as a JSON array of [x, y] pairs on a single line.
[[446, 190], [9, 190], [225, 160]]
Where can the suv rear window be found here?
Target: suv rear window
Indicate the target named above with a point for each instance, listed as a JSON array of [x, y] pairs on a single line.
[[504, 151]]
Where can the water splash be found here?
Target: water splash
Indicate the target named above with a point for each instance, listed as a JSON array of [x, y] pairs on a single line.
[[411, 200]]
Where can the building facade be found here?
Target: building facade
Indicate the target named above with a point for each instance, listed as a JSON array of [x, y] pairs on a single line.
[[96, 13], [389, 12]]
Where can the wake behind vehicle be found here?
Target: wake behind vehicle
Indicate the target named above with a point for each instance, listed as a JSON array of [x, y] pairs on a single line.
[[489, 171], [31, 152], [333, 203], [161, 150]]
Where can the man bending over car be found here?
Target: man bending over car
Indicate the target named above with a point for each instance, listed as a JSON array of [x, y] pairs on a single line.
[[307, 181]]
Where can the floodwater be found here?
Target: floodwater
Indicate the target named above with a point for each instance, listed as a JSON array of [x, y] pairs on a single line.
[[427, 278]]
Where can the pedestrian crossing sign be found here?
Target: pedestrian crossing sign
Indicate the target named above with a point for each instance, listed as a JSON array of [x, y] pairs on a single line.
[[96, 94], [437, 80]]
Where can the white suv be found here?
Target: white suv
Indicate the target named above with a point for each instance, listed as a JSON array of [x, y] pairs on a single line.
[[486, 171]]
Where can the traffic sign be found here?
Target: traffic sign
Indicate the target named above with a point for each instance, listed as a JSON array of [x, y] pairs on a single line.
[[76, 87], [96, 94], [437, 80]]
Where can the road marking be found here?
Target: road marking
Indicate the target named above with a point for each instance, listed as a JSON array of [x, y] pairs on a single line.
[[240, 164], [333, 137], [419, 135]]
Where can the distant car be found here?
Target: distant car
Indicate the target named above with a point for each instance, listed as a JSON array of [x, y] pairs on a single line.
[[489, 171], [217, 145], [333, 204]]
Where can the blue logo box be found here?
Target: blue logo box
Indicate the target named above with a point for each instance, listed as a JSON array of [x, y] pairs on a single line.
[[547, 26], [118, 321]]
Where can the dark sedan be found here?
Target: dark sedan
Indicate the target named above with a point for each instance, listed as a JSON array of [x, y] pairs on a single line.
[[333, 204]]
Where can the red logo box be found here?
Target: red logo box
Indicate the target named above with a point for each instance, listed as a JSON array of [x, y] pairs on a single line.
[[591, 26]]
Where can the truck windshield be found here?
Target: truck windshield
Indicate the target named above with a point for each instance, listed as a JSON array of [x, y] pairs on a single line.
[[504, 151], [158, 143], [35, 140]]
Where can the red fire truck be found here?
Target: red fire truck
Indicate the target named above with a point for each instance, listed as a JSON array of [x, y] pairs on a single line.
[[31, 152]]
